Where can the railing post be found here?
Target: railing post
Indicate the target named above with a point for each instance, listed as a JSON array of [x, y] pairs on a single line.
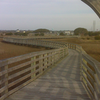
[[53, 55], [41, 63], [33, 68], [4, 79], [45, 61], [81, 64], [49, 58], [56, 57]]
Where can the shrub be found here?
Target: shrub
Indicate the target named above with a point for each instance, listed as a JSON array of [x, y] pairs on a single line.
[[9, 34], [97, 37], [83, 38], [88, 38], [62, 34], [42, 34], [36, 34]]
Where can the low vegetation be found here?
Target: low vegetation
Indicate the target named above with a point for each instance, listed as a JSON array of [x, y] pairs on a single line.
[[89, 44], [85, 32], [41, 34], [92, 34], [62, 34], [10, 50], [97, 37]]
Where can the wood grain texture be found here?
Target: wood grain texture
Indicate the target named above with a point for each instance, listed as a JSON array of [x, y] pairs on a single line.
[[60, 83], [87, 70]]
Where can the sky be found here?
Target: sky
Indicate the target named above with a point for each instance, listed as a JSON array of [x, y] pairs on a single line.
[[49, 14]]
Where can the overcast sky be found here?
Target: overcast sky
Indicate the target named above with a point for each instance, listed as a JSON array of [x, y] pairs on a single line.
[[50, 14]]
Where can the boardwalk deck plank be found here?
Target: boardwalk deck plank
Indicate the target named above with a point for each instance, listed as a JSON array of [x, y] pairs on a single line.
[[59, 83]]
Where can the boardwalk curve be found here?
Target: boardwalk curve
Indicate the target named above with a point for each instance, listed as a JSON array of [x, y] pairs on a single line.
[[60, 83], [19, 71]]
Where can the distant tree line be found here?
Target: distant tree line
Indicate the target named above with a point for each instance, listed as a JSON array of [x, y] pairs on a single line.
[[21, 34], [80, 31], [17, 33], [84, 31], [41, 31], [93, 33], [41, 34], [62, 34], [9, 33]]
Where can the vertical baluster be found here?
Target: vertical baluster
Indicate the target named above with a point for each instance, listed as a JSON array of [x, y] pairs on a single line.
[[4, 78], [33, 68]]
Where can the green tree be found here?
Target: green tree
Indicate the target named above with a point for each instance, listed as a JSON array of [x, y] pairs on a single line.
[[9, 33], [41, 30], [36, 34], [21, 34], [80, 31], [93, 33]]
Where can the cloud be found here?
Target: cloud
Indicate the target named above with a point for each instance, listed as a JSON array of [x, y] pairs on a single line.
[[53, 14], [42, 6]]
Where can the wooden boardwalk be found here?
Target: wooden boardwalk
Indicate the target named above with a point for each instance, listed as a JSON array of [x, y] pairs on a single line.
[[59, 83]]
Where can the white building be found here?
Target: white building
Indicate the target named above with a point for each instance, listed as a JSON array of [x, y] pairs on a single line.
[[69, 33], [17, 30], [23, 31]]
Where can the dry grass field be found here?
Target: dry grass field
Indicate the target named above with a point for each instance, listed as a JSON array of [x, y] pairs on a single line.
[[91, 46], [10, 50]]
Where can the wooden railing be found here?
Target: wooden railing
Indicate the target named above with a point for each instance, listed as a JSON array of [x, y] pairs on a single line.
[[90, 72], [18, 71]]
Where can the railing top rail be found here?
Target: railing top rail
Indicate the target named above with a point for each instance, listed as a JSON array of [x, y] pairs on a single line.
[[94, 61], [26, 56], [35, 40]]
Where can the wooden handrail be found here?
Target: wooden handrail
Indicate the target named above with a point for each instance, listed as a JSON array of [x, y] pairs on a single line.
[[17, 72]]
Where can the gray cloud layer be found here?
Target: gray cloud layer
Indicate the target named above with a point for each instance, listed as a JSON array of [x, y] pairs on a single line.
[[51, 14]]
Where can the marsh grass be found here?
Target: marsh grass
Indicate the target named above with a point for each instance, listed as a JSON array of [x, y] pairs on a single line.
[[89, 44], [10, 50]]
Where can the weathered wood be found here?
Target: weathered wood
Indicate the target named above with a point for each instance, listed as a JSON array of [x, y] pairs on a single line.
[[32, 66], [46, 59], [60, 83], [43, 63]]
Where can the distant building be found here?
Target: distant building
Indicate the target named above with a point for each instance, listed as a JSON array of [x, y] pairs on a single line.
[[51, 34], [69, 33], [18, 30], [23, 31], [72, 32]]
